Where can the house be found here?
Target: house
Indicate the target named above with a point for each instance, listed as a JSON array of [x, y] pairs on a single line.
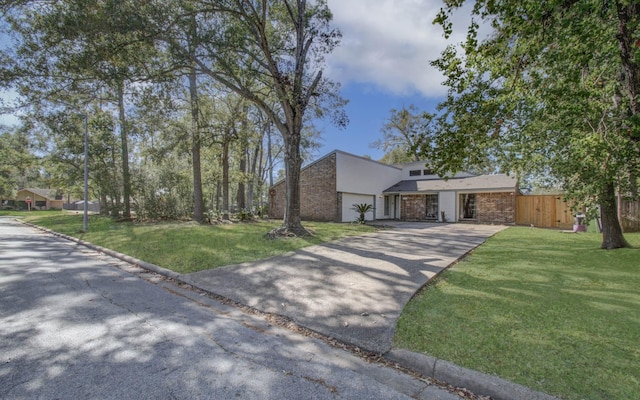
[[41, 199], [330, 186]]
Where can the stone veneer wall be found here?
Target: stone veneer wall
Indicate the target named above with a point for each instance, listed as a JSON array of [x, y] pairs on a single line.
[[496, 208], [318, 197], [413, 207]]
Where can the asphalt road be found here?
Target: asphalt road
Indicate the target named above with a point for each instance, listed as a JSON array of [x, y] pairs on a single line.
[[78, 324]]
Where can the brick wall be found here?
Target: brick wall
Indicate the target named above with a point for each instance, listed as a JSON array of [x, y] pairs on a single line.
[[277, 200], [318, 197], [413, 206], [497, 208]]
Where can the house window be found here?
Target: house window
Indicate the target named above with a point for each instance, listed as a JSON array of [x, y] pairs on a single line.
[[414, 172], [468, 206], [386, 205], [427, 172], [432, 206], [41, 203]]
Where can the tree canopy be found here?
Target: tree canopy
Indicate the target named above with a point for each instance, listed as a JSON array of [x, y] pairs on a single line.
[[553, 89], [115, 56], [406, 131]]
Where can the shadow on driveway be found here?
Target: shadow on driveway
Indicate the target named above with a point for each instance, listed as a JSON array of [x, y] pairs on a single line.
[[353, 289]]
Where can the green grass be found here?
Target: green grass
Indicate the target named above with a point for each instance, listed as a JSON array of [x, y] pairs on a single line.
[[548, 310], [189, 247]]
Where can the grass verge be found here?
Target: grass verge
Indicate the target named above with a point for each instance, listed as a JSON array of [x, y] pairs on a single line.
[[548, 310], [186, 247]]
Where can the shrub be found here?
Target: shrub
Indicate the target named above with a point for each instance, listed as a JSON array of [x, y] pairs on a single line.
[[362, 209]]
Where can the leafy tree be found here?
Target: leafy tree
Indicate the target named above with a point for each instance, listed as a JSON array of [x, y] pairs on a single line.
[[404, 132], [18, 164], [72, 53], [258, 48], [553, 89]]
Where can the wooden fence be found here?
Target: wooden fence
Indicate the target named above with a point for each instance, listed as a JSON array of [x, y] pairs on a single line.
[[544, 211], [630, 212], [551, 211]]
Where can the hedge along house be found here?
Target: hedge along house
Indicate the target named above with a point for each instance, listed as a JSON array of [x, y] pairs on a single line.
[[330, 186]]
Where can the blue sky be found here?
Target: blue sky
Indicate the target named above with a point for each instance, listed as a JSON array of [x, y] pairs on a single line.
[[382, 63], [368, 109]]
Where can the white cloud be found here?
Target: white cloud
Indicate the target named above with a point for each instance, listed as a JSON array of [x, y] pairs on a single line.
[[389, 44]]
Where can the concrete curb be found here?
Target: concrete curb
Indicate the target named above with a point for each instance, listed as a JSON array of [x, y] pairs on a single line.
[[477, 382], [115, 254], [441, 370]]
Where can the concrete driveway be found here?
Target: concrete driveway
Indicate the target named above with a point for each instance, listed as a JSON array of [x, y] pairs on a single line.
[[353, 289]]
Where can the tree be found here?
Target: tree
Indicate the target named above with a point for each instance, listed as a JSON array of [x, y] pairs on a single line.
[[404, 132], [18, 164], [551, 90], [70, 53], [268, 49]]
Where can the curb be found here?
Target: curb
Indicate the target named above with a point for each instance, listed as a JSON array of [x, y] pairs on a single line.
[[440, 370], [115, 254], [477, 382]]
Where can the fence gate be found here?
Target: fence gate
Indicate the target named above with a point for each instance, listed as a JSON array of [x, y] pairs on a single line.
[[544, 211]]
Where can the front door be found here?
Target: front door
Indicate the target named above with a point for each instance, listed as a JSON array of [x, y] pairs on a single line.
[[432, 207]]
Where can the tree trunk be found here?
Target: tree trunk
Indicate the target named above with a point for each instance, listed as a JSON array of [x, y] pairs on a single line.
[[198, 199], [114, 186], [612, 237], [252, 175], [218, 194], [225, 180], [293, 165], [241, 198], [269, 155], [628, 16], [126, 176]]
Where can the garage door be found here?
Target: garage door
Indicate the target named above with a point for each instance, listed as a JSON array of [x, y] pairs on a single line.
[[349, 199]]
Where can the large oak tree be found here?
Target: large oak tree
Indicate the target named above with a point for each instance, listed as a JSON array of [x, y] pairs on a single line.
[[553, 89]]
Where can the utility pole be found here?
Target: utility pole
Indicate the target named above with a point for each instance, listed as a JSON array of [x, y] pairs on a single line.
[[85, 219]]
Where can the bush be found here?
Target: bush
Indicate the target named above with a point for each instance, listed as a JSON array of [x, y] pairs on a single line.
[[244, 215], [362, 209]]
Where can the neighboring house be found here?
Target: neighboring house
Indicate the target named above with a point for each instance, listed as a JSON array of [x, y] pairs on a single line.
[[330, 186], [41, 199]]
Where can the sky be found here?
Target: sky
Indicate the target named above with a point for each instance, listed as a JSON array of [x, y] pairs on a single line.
[[382, 63]]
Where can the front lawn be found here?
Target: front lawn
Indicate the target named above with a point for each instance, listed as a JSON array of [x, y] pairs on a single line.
[[187, 246], [545, 309]]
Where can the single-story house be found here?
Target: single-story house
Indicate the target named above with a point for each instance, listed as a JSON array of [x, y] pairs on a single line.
[[331, 185], [41, 199], [79, 205]]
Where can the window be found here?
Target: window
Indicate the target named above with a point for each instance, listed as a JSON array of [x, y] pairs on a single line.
[[41, 203], [468, 206], [386, 205], [427, 172], [432, 206], [414, 172]]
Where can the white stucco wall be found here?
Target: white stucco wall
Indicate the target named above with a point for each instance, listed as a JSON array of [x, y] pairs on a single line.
[[360, 176], [447, 202], [420, 166]]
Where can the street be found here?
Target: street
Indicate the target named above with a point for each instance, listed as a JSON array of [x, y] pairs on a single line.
[[75, 323]]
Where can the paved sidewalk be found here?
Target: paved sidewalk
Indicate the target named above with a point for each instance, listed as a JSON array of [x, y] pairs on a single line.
[[352, 289]]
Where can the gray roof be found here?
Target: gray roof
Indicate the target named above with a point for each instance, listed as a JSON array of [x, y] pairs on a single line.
[[46, 193], [490, 183]]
